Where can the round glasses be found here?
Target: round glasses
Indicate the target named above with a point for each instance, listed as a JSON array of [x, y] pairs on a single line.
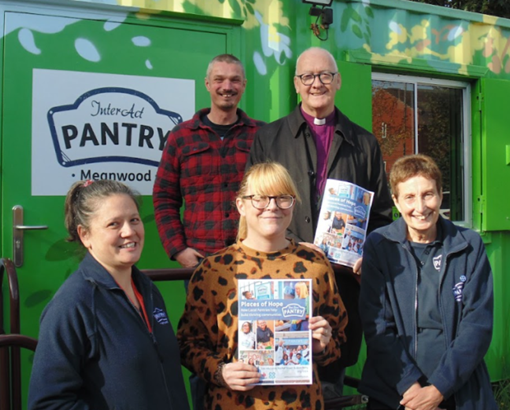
[[325, 77], [262, 201]]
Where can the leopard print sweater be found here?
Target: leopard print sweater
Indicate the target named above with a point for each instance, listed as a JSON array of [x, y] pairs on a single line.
[[207, 331]]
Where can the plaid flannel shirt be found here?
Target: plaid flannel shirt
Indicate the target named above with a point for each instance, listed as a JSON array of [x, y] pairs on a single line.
[[204, 172]]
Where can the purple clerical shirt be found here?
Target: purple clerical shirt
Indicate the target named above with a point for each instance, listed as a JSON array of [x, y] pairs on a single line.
[[322, 131]]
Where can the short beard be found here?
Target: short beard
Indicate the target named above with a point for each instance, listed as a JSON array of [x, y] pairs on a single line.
[[227, 106]]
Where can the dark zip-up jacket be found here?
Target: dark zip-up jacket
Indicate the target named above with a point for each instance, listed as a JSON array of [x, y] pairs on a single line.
[[388, 310], [96, 352]]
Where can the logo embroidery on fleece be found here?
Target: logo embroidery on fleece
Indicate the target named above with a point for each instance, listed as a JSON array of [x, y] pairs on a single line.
[[437, 262], [160, 316], [459, 288]]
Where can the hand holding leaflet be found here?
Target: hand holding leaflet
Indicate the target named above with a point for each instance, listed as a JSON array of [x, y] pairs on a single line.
[[342, 225]]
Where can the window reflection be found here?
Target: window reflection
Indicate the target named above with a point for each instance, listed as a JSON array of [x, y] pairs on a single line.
[[414, 117]]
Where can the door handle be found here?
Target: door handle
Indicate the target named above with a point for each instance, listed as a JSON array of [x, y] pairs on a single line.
[[30, 228], [17, 234]]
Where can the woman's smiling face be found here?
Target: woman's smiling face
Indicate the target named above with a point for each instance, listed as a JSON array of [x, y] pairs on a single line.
[[419, 201], [268, 223], [116, 233]]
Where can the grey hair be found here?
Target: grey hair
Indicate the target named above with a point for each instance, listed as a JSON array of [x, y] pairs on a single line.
[[225, 58], [315, 49]]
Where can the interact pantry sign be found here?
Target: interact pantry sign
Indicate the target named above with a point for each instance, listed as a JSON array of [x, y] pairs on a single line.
[[102, 126]]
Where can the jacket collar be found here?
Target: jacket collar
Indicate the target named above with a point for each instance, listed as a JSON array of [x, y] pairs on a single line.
[[94, 272], [453, 240], [243, 119], [297, 123]]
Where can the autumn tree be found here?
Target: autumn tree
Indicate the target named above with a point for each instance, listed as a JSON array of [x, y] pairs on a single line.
[[392, 122]]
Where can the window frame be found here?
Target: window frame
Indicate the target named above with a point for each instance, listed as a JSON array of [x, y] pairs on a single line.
[[466, 135]]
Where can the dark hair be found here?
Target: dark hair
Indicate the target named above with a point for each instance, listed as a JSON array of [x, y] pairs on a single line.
[[246, 323], [83, 199], [225, 58], [411, 166]]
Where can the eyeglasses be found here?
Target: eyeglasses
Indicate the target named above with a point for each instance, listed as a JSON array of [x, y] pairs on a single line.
[[325, 77], [262, 201]]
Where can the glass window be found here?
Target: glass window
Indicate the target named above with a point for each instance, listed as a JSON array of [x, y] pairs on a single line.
[[427, 116]]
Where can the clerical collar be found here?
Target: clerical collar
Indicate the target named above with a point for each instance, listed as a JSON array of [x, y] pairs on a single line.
[[329, 120]]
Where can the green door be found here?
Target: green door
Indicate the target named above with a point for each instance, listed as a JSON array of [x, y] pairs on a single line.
[[495, 154], [491, 176], [108, 63]]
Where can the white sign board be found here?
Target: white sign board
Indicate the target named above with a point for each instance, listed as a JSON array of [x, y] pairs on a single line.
[[102, 126]]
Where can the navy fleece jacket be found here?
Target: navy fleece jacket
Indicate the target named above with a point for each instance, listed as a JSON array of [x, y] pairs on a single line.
[[95, 351], [388, 312]]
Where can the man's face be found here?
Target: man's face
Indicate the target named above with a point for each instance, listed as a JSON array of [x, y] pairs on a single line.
[[262, 325], [226, 84], [318, 99]]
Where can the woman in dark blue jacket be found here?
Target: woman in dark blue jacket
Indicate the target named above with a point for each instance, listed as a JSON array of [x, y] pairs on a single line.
[[426, 303], [105, 340]]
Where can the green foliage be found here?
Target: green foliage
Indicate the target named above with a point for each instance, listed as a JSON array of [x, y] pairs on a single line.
[[499, 8], [502, 394]]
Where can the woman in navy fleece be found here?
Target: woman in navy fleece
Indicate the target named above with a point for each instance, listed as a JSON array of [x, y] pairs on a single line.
[[105, 340], [426, 303]]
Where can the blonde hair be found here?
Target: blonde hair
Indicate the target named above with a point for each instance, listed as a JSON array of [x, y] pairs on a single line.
[[266, 178], [303, 290]]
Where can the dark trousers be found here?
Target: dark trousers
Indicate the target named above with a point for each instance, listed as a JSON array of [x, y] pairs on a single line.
[[334, 373], [377, 405], [373, 404], [197, 385], [198, 388]]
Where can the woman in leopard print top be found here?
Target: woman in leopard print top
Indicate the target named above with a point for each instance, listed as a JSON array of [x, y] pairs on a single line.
[[208, 329]]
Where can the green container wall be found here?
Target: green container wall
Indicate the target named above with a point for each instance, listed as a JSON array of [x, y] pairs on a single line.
[[377, 35]]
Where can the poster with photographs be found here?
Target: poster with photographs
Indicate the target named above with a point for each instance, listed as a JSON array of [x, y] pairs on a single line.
[[273, 329], [343, 221]]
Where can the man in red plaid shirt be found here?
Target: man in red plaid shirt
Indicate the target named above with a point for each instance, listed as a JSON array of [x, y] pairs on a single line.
[[202, 164]]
